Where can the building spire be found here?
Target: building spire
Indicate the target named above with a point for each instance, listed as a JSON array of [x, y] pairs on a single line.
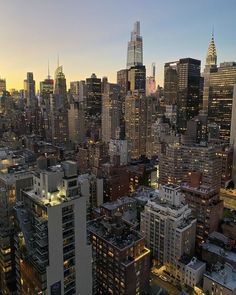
[[211, 59]]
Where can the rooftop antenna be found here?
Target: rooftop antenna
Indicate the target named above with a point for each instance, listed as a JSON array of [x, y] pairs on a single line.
[[212, 33], [48, 71], [58, 61]]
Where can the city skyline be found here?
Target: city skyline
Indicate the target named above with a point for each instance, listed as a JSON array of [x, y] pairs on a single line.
[[80, 27]]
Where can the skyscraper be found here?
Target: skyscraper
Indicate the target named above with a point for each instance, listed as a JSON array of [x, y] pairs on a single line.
[[233, 135], [2, 85], [135, 48], [188, 98], [93, 106], [210, 65], [59, 108], [46, 91], [171, 82], [211, 59], [151, 82], [111, 112], [137, 78], [76, 121], [135, 123], [29, 91], [218, 96], [122, 80]]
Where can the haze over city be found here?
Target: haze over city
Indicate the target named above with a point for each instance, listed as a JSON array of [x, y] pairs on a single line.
[[91, 36], [117, 147]]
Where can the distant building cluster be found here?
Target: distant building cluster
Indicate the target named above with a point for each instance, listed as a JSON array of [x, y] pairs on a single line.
[[120, 188]]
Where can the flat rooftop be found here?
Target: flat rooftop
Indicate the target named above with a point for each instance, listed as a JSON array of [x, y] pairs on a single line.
[[196, 264], [225, 276], [119, 202], [120, 235], [219, 251], [144, 194], [202, 189], [12, 177]]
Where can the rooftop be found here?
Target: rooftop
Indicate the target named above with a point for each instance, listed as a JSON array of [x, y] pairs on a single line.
[[12, 177], [144, 194], [118, 234], [203, 189], [195, 264], [119, 202], [219, 251], [224, 275]]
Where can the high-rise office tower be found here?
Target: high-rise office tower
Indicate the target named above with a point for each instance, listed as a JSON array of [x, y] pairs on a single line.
[[135, 48], [74, 88], [218, 96], [94, 96], [136, 123], [52, 254], [82, 91], [29, 91], [169, 227], [137, 78], [32, 111], [171, 82], [2, 85], [233, 135], [59, 108], [93, 106], [46, 91], [111, 112], [46, 88], [122, 80], [151, 82], [76, 121], [120, 258], [188, 98], [151, 103]]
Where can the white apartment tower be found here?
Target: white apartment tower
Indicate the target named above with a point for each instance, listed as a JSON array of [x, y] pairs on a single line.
[[168, 227], [51, 246]]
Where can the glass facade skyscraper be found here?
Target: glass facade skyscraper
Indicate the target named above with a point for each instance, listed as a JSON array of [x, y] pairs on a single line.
[[219, 94], [135, 48], [188, 99]]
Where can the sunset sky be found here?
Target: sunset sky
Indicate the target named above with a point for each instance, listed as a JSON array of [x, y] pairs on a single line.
[[91, 36]]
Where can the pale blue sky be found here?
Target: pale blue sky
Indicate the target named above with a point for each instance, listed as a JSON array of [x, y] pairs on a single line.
[[91, 36]]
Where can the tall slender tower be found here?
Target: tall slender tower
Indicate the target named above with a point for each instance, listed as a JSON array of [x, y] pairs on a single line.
[[211, 64], [59, 108], [29, 90], [135, 47], [188, 98], [211, 59]]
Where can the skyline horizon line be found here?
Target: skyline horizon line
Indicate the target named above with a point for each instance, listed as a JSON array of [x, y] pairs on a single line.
[[113, 74]]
